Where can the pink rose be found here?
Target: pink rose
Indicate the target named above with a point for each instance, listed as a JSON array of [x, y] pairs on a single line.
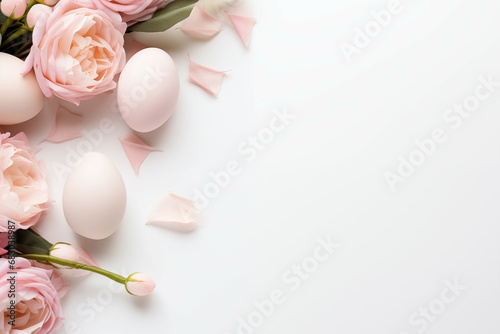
[[38, 289], [133, 11], [23, 189], [77, 50]]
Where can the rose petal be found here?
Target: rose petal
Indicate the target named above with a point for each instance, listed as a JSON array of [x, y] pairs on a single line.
[[201, 24], [66, 126], [175, 213], [136, 150], [208, 79], [243, 25]]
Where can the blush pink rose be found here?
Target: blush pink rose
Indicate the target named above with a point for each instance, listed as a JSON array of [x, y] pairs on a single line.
[[77, 50], [133, 11], [38, 290], [23, 188]]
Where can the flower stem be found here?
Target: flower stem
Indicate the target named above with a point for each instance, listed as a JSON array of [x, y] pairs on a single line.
[[76, 265], [5, 25], [22, 49], [18, 33], [31, 4]]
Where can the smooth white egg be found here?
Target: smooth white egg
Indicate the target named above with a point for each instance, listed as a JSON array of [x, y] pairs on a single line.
[[148, 90], [20, 96], [94, 197]]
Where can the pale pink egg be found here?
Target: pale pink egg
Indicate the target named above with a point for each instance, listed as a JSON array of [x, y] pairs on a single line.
[[148, 90], [94, 197], [20, 96]]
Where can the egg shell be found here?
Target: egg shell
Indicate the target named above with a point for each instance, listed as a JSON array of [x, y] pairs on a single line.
[[94, 197], [148, 90], [20, 96]]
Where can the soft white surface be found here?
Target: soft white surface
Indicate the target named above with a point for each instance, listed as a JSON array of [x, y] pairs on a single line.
[[321, 176]]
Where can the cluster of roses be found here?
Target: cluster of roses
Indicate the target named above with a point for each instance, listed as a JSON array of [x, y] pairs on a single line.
[[31, 284], [77, 45], [75, 49]]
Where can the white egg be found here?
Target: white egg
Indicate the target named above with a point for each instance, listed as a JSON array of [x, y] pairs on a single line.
[[20, 96], [94, 197], [148, 90]]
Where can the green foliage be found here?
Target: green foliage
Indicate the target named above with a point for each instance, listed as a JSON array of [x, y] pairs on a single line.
[[30, 242], [166, 18]]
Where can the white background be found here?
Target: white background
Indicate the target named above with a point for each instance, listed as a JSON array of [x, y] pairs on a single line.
[[324, 175]]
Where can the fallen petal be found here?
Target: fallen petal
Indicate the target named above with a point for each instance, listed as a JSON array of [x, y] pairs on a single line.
[[208, 79], [67, 126], [243, 26], [201, 24], [217, 7], [175, 213], [136, 150]]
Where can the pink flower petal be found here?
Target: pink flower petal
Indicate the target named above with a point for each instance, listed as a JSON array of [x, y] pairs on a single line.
[[201, 24], [207, 78], [66, 126], [175, 213], [136, 150], [21, 136], [88, 259], [133, 48], [243, 26]]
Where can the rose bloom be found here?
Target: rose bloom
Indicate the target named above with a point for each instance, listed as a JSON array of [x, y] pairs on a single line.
[[77, 50], [133, 11], [23, 189], [38, 290]]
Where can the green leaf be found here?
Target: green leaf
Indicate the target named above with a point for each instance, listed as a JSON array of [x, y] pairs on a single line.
[[166, 18], [30, 242], [2, 20]]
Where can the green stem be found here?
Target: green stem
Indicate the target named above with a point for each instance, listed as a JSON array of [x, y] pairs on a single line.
[[11, 46], [31, 4], [18, 33], [22, 49], [25, 18], [76, 265], [5, 25]]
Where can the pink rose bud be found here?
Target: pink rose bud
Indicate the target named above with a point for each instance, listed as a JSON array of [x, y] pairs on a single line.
[[36, 12], [139, 284], [14, 8], [67, 252]]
